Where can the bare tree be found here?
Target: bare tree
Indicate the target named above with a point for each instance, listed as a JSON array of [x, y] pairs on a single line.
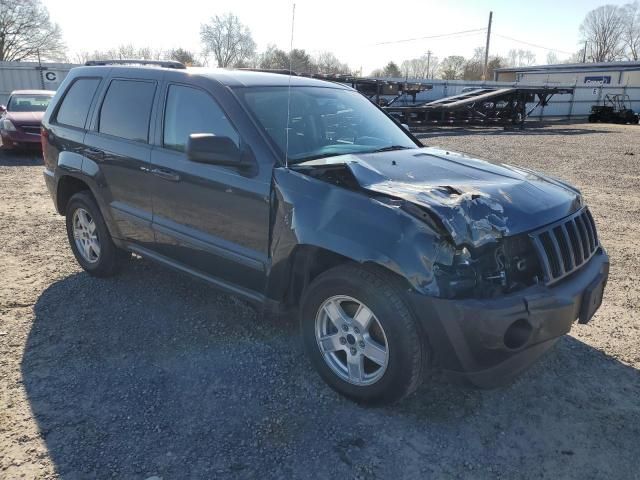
[[602, 29], [452, 67], [227, 39], [327, 62], [27, 32], [631, 30], [474, 68], [552, 58], [274, 58], [421, 67], [121, 52], [521, 58]]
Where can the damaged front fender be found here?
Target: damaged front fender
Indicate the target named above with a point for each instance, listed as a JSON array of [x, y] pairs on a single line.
[[311, 212]]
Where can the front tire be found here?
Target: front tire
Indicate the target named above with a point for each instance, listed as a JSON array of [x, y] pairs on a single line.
[[89, 237], [360, 335]]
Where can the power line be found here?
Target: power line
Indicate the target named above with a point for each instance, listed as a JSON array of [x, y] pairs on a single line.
[[533, 44], [477, 30]]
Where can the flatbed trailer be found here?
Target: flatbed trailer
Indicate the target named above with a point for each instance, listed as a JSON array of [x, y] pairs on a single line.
[[484, 106]]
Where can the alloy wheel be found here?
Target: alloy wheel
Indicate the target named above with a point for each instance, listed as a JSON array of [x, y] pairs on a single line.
[[351, 340], [85, 235]]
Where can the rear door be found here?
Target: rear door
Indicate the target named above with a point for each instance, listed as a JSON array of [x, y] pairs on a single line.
[[118, 143], [213, 219]]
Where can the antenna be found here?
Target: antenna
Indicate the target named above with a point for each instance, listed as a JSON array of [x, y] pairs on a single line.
[[286, 151]]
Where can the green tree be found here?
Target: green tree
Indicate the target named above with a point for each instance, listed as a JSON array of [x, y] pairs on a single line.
[[183, 56], [391, 70]]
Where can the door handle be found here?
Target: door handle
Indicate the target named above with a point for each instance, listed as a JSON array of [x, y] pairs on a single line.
[[166, 174], [94, 153]]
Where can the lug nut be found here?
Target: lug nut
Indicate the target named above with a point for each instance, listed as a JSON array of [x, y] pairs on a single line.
[[353, 351], [345, 327], [343, 340], [361, 344], [356, 329]]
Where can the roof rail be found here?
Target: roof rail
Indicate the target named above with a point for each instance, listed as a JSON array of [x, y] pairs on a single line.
[[281, 71], [158, 63]]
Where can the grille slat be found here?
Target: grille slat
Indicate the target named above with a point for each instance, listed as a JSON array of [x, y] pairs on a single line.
[[567, 242], [593, 226], [557, 252], [564, 246], [575, 243], [587, 224], [582, 233]]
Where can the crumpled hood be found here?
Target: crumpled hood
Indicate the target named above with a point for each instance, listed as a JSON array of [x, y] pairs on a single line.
[[24, 118], [477, 201]]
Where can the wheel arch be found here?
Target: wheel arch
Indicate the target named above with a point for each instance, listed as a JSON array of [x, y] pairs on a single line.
[[307, 262], [68, 186]]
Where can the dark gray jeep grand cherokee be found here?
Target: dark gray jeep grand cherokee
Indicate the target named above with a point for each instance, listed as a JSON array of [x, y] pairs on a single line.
[[398, 258]]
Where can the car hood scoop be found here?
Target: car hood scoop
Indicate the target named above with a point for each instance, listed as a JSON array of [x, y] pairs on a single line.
[[476, 201]]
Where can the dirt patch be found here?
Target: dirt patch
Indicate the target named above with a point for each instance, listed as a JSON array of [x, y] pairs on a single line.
[[152, 373]]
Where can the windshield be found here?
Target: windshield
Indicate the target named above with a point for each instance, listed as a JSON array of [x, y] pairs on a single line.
[[323, 122], [28, 103]]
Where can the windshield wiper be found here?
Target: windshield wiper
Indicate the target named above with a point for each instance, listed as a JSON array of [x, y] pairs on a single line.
[[389, 148]]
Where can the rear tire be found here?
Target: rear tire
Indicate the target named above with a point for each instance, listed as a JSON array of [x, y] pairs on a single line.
[[89, 237], [391, 352]]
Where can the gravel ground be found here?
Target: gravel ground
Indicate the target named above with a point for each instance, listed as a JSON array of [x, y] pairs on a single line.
[[154, 374]]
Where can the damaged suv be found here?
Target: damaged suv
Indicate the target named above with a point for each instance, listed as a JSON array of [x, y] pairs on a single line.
[[300, 194]]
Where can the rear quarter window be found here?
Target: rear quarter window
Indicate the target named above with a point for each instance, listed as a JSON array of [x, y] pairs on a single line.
[[76, 102], [126, 109]]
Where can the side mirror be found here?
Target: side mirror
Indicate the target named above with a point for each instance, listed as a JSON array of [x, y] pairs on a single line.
[[405, 126], [209, 148], [3, 109]]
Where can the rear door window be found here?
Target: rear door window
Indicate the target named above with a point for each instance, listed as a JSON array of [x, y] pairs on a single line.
[[126, 109], [190, 110], [75, 104]]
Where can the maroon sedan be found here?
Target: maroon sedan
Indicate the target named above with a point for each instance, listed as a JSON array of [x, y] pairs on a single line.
[[20, 119]]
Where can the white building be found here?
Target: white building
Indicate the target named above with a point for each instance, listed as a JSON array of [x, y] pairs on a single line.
[[579, 74]]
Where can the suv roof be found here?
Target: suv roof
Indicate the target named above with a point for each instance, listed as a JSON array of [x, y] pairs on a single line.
[[227, 77], [33, 92]]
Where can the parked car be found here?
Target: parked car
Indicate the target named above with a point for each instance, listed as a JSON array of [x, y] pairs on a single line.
[[20, 118], [301, 194]]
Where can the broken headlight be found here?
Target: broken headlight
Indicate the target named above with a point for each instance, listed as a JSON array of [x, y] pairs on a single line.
[[503, 267]]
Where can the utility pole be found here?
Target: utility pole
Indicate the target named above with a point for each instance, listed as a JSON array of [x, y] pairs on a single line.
[[428, 62], [486, 49]]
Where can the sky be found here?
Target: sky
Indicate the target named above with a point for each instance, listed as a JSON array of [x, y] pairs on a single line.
[[356, 31]]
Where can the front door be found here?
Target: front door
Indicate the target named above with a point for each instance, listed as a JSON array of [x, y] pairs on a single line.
[[213, 219]]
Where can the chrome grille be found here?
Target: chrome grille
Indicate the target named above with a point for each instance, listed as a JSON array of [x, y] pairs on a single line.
[[32, 129], [564, 246]]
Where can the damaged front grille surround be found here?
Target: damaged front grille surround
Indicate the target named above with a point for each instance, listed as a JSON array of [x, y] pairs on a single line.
[[566, 245]]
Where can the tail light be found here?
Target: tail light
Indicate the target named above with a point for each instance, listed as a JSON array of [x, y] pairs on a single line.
[[44, 138]]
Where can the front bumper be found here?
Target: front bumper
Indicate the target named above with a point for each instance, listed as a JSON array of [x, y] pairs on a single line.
[[19, 138], [472, 338]]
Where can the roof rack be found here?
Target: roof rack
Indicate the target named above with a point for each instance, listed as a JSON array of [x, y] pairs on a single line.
[[158, 63], [281, 71]]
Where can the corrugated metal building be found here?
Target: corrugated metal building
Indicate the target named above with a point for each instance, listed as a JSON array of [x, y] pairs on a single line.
[[30, 75], [584, 74]]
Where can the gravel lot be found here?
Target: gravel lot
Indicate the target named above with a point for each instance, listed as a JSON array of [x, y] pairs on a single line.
[[155, 374]]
